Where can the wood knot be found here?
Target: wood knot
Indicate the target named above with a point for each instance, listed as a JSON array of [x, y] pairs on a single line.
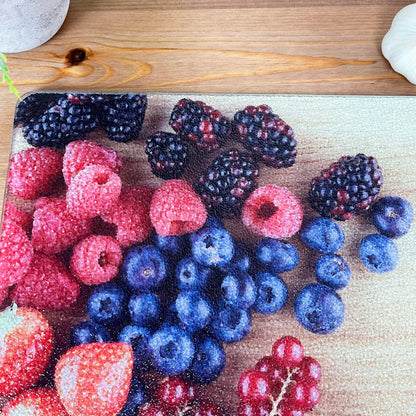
[[76, 56]]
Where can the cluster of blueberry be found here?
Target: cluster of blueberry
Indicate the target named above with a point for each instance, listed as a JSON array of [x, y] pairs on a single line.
[[318, 307], [177, 299], [392, 217]]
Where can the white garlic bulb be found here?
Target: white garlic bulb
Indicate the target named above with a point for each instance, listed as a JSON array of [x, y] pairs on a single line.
[[399, 43]]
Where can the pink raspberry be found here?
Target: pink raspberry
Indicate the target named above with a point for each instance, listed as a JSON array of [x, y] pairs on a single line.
[[54, 228], [47, 285], [131, 215], [176, 209], [33, 172], [21, 218], [79, 154], [96, 259], [16, 252], [93, 191], [272, 211]]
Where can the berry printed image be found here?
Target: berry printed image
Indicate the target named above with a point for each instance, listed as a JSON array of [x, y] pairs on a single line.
[[165, 256]]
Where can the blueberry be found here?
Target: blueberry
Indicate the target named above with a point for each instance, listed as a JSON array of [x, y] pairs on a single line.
[[138, 337], [230, 324], [271, 293], [213, 221], [191, 275], [137, 397], [319, 308], [172, 351], [144, 268], [145, 309], [107, 304], [238, 289], [194, 310], [212, 246], [392, 216], [209, 360], [241, 258], [378, 253], [332, 270], [87, 332], [171, 245], [322, 235], [276, 256]]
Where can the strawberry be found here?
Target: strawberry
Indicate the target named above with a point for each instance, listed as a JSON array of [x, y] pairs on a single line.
[[94, 379], [26, 343], [40, 401]]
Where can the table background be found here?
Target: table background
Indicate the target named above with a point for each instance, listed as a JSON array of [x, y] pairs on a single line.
[[266, 47]]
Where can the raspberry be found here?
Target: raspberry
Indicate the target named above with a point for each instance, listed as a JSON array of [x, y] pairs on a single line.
[[33, 172], [167, 154], [273, 211], [21, 218], [122, 116], [266, 135], [96, 259], [16, 253], [73, 116], [93, 191], [348, 187], [228, 182], [54, 228], [82, 153], [131, 215], [176, 209], [47, 285], [200, 124]]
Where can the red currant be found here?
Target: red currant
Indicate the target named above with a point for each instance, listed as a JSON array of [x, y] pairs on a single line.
[[154, 409], [254, 386], [205, 409], [275, 372], [254, 409], [309, 371], [304, 396], [286, 409], [172, 392], [288, 351]]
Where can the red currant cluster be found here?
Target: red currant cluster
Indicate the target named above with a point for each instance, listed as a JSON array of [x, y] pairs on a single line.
[[282, 384], [175, 397]]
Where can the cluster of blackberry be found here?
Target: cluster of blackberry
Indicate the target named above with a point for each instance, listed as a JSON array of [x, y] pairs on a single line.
[[227, 183], [58, 119]]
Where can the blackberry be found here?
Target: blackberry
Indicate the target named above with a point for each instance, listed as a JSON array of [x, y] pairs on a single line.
[[73, 116], [228, 182], [34, 105], [167, 154], [200, 123], [266, 135], [347, 188], [122, 116]]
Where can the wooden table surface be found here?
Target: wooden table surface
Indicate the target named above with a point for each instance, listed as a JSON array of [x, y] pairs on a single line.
[[245, 47]]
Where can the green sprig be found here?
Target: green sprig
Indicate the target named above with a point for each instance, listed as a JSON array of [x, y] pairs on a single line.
[[6, 77]]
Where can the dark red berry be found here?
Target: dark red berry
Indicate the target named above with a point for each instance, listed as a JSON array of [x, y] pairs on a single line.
[[254, 409], [173, 392], [309, 371], [288, 351], [286, 409], [304, 396], [154, 409], [254, 386], [204, 409], [275, 372]]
